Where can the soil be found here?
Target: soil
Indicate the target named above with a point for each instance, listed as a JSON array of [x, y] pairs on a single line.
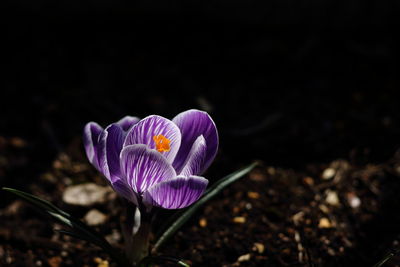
[[304, 212]]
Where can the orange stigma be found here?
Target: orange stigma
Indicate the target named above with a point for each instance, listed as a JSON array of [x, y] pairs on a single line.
[[162, 143]]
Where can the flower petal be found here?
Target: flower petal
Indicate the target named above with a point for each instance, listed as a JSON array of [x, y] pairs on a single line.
[[91, 134], [109, 148], [176, 193], [122, 188], [143, 167], [144, 131], [192, 124], [196, 157], [127, 122]]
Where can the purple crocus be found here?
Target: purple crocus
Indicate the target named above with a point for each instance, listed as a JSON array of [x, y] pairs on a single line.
[[155, 161]]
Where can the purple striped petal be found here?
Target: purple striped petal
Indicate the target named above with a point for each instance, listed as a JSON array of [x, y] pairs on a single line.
[[91, 134], [192, 124], [143, 167], [123, 189], [127, 122], [176, 193], [144, 131], [196, 157], [109, 148]]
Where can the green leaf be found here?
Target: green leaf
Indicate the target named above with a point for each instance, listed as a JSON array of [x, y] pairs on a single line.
[[178, 219], [386, 258], [79, 229], [151, 260]]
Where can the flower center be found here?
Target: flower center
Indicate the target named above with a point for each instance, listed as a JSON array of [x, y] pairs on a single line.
[[162, 143]]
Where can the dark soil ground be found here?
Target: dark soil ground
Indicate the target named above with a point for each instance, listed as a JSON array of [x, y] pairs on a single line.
[[310, 90], [305, 210]]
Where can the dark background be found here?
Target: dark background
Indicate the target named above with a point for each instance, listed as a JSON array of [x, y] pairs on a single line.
[[283, 80], [287, 82]]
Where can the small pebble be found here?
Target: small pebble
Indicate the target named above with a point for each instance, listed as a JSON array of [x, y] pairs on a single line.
[[49, 177], [308, 181], [253, 195], [259, 247], [17, 142], [324, 223], [331, 252], [203, 222], [236, 209], [354, 200], [54, 261], [297, 237], [57, 164], [9, 259], [271, 171], [328, 173], [256, 176], [14, 208], [114, 238], [298, 217], [94, 217], [100, 262], [239, 219], [332, 198], [324, 208], [245, 257]]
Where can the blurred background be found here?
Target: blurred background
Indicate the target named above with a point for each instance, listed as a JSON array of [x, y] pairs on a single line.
[[283, 80], [287, 82]]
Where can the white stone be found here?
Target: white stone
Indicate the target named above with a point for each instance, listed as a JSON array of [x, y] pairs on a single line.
[[245, 257], [95, 217], [332, 198], [354, 201], [87, 194], [328, 173]]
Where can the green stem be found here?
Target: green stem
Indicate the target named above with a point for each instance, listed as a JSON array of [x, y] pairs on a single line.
[[141, 240], [136, 243]]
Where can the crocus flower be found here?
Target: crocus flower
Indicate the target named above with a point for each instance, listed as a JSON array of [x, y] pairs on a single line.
[[155, 161]]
